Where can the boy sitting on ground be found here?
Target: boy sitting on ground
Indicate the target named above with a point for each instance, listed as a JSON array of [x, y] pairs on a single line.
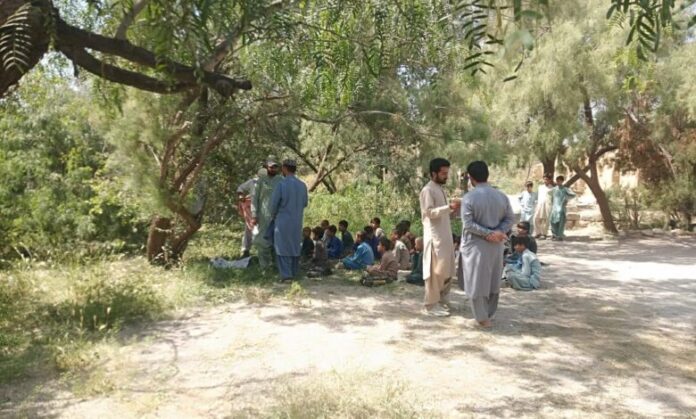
[[363, 256], [387, 269], [346, 238], [324, 224], [307, 244], [523, 228], [372, 240], [404, 227], [334, 246], [375, 223], [401, 252], [416, 275], [320, 262], [524, 274]]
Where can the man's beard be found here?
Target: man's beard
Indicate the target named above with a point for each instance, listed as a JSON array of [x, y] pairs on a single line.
[[440, 181]]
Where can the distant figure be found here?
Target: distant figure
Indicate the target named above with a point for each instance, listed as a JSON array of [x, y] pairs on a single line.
[[376, 223], [403, 256], [245, 193], [543, 207], [307, 244], [561, 195], [486, 218], [387, 268], [261, 210], [334, 246], [438, 253], [320, 262], [416, 275], [363, 256], [288, 202], [528, 201], [524, 275], [346, 238]]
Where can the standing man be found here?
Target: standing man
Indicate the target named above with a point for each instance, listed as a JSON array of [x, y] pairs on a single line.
[[245, 192], [561, 195], [261, 210], [486, 218], [528, 200], [543, 208], [438, 250], [288, 202]]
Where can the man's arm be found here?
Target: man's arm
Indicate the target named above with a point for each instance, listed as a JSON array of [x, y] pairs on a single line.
[[428, 208], [255, 201], [506, 224], [468, 222]]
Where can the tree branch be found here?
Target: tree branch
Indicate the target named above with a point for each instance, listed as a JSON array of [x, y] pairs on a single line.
[[577, 176], [72, 38], [118, 75], [129, 18]]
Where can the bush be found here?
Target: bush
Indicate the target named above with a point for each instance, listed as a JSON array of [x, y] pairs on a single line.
[[359, 203]]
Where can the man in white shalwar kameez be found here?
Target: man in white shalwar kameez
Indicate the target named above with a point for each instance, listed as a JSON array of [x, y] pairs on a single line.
[[486, 218], [438, 246], [543, 207]]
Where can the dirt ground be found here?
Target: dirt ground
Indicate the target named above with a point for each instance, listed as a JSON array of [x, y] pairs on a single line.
[[611, 334]]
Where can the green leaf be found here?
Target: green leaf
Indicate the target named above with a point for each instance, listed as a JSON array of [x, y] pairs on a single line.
[[532, 14]]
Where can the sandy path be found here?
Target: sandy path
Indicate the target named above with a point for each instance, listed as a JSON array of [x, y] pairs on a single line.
[[611, 334]]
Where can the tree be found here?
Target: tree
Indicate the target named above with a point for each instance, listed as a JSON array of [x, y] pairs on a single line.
[[28, 28]]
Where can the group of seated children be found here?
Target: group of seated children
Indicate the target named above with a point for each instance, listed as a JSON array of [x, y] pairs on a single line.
[[400, 254], [322, 248], [522, 267]]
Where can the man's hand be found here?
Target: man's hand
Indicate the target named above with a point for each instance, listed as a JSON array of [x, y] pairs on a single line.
[[496, 237], [254, 221], [455, 204]]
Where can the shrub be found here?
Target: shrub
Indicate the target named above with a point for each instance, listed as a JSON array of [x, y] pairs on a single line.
[[359, 203]]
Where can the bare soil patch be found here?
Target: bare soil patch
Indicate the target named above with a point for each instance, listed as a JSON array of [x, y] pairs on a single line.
[[612, 333]]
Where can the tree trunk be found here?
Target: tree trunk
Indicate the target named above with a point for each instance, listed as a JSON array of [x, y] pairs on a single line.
[[160, 230], [549, 164], [601, 197]]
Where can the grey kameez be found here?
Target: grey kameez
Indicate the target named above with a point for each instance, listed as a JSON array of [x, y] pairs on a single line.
[[484, 210]]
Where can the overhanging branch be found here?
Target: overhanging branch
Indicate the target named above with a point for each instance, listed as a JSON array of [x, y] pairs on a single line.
[[118, 75], [73, 39]]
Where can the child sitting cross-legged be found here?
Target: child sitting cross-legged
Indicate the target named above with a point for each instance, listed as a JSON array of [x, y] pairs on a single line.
[[361, 258], [416, 275], [401, 253], [524, 272], [387, 269], [319, 265]]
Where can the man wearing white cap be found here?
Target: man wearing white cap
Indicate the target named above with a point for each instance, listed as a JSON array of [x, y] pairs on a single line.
[[287, 206], [261, 210]]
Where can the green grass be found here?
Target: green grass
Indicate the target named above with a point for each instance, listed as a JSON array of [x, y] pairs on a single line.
[[52, 316]]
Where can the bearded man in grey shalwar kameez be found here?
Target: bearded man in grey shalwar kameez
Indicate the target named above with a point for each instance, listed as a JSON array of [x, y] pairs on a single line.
[[486, 218]]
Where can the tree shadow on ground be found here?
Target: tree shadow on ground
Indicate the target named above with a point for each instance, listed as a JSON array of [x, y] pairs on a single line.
[[604, 329]]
